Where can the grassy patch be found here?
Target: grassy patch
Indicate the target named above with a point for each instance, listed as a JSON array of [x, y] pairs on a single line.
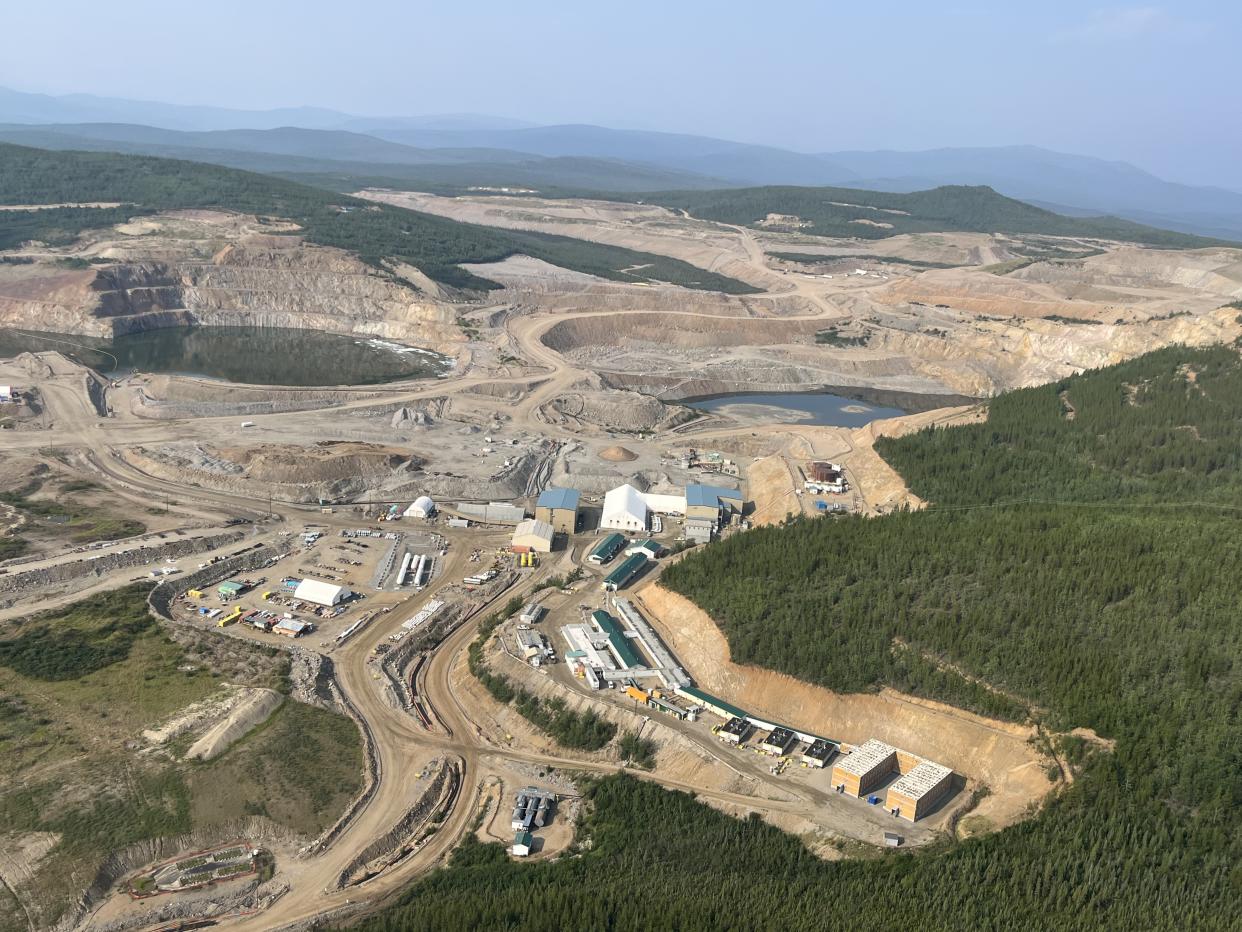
[[300, 768], [12, 547], [79, 522], [834, 337], [77, 688]]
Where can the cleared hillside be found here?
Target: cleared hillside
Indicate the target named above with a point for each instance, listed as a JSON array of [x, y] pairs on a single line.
[[1118, 614], [376, 233], [846, 212]]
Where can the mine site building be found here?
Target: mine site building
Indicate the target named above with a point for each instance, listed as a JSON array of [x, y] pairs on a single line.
[[522, 842], [708, 507], [423, 507], [532, 808], [559, 508], [735, 731], [919, 790], [322, 593], [624, 574], [819, 753], [826, 472], [493, 512], [231, 589], [718, 706], [530, 644], [6, 394], [531, 613], [624, 510], [292, 628], [533, 535], [648, 548], [778, 742], [606, 549], [618, 644], [864, 767]]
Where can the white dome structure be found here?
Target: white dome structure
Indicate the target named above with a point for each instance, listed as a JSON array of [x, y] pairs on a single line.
[[423, 507]]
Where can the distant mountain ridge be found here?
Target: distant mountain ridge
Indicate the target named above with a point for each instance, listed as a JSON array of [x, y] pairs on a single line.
[[1070, 184]]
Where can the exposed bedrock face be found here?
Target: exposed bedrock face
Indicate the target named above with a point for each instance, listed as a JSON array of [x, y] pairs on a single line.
[[298, 287]]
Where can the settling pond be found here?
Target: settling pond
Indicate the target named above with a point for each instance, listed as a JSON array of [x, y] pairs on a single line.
[[820, 408], [257, 355]]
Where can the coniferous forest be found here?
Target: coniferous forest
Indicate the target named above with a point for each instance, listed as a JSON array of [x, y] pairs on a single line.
[[1083, 556]]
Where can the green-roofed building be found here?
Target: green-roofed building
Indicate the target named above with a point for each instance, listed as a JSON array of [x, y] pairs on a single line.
[[711, 703], [606, 549], [230, 590], [620, 644], [625, 573]]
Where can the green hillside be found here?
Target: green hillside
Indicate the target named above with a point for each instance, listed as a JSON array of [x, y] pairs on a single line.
[[1114, 605], [374, 232], [846, 212]]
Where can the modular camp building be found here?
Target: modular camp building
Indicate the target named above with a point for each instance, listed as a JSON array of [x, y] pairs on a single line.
[[606, 549], [533, 534], [318, 592], [724, 709], [864, 767], [624, 510], [618, 643], [559, 508], [624, 574], [917, 792]]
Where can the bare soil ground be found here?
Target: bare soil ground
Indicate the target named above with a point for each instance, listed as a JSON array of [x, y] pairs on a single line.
[[997, 754]]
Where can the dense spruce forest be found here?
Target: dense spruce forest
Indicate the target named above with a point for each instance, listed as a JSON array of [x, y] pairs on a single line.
[[1110, 603], [374, 232], [852, 213]]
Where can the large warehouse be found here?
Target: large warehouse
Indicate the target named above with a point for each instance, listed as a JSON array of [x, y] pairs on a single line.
[[320, 593], [559, 508], [918, 791], [624, 510], [533, 534], [864, 767]]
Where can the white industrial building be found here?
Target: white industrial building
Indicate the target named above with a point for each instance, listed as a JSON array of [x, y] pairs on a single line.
[[318, 592], [624, 510], [533, 534], [423, 507]]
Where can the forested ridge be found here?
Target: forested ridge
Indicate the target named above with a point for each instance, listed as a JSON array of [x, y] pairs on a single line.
[[853, 213], [374, 232], [1113, 603]]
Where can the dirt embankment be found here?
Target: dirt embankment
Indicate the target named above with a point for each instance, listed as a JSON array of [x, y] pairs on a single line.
[[252, 709], [997, 754]]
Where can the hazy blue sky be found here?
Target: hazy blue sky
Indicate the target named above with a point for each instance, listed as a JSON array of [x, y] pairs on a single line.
[[1155, 84]]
